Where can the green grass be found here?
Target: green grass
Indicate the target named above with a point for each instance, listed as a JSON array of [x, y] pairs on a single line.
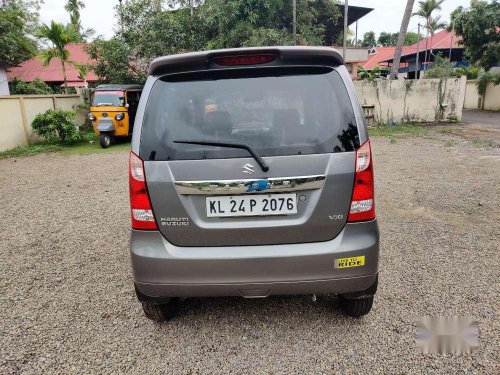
[[89, 146], [405, 130], [481, 143]]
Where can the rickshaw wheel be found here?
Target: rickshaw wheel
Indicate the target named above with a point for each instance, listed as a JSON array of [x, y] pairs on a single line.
[[105, 140]]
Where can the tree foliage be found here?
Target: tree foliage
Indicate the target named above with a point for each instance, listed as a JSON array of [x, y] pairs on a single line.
[[17, 20], [113, 62], [478, 27], [369, 39], [412, 38], [148, 29], [387, 39]]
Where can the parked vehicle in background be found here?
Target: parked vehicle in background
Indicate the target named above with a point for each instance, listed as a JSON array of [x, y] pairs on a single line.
[[113, 111], [251, 175]]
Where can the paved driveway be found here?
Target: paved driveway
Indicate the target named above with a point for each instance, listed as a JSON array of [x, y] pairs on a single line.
[[481, 125]]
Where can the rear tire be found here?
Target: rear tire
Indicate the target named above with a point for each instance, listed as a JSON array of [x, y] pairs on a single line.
[[160, 312], [356, 307], [105, 140]]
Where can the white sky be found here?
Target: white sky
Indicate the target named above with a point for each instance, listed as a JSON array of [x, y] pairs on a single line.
[[386, 16]]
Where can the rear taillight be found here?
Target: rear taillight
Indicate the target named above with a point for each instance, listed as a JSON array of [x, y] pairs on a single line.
[[363, 192], [244, 59], [142, 214]]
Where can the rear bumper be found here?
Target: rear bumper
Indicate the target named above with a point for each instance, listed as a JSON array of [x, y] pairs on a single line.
[[162, 269]]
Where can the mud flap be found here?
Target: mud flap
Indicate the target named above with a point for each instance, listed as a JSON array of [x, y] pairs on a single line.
[[362, 294]]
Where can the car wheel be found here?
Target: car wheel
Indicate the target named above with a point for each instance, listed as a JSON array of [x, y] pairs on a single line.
[[160, 312], [356, 307], [105, 140]]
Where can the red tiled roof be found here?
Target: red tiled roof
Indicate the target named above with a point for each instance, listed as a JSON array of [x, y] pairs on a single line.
[[33, 68], [374, 59], [440, 40]]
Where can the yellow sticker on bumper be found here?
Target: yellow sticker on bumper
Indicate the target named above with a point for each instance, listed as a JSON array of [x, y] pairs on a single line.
[[350, 262]]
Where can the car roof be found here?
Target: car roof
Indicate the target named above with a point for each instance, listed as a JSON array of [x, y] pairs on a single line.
[[114, 86], [200, 60]]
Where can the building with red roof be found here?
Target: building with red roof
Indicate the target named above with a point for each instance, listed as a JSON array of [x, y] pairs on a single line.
[[442, 42], [53, 73]]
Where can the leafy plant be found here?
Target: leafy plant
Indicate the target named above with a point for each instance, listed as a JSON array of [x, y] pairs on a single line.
[[36, 87], [471, 72], [441, 68], [484, 79], [453, 117], [373, 74], [54, 124]]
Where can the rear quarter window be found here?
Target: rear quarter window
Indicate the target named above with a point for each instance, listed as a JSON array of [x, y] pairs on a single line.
[[277, 111]]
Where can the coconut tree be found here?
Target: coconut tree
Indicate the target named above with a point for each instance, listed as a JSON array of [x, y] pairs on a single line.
[[58, 36], [401, 38], [73, 7], [425, 10], [435, 24]]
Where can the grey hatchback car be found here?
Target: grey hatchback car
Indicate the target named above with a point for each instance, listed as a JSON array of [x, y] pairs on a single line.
[[251, 175]]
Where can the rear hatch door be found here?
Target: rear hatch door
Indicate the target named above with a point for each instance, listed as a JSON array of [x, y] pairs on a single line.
[[298, 119]]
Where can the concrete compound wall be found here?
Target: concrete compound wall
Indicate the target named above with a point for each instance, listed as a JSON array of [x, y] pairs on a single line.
[[490, 101], [17, 113], [424, 100]]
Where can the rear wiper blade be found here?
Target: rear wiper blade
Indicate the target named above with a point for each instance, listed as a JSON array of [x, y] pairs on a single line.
[[249, 148]]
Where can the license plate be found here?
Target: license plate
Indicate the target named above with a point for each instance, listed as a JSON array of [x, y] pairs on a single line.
[[252, 205]]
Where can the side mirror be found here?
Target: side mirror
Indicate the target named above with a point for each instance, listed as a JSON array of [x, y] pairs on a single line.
[[127, 105]]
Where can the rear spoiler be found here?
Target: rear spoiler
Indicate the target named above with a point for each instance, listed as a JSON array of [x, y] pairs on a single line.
[[193, 61]]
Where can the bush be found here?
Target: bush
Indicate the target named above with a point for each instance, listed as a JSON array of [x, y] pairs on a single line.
[[441, 68], [483, 80], [54, 124], [471, 72], [36, 87]]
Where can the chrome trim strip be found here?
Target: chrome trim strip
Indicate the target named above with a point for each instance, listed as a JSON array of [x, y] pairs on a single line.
[[244, 186]]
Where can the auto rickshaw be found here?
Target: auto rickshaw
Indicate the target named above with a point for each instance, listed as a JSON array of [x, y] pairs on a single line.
[[113, 111]]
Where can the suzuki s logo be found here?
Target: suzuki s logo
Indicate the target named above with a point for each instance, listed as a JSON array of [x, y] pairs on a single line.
[[248, 169]]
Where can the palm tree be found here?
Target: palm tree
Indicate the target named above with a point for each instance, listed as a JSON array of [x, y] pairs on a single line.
[[425, 10], [401, 38], [73, 7], [435, 24], [59, 36], [83, 71]]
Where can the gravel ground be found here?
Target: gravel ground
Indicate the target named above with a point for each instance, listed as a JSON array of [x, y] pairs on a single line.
[[68, 306]]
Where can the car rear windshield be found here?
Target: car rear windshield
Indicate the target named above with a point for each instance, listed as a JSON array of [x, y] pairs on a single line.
[[277, 111]]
